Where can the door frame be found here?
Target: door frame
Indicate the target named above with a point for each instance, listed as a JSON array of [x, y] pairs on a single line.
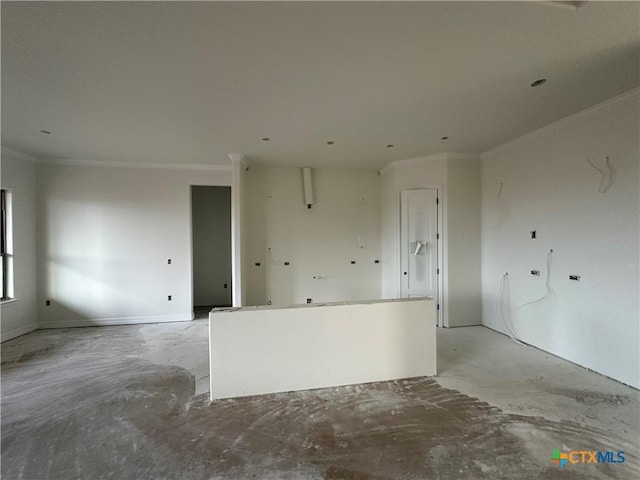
[[191, 246], [439, 241]]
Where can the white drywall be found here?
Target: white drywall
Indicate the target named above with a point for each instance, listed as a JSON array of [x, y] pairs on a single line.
[[462, 255], [211, 221], [548, 186], [18, 175], [266, 350], [456, 176], [238, 228], [342, 226], [105, 235]]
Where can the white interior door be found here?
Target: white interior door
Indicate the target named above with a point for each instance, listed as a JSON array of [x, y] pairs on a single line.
[[418, 242]]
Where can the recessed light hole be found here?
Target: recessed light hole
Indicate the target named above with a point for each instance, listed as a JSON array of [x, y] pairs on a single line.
[[390, 146], [46, 132], [265, 139], [539, 82]]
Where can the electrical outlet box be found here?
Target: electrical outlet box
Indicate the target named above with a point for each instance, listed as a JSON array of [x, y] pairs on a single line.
[[535, 272], [169, 298]]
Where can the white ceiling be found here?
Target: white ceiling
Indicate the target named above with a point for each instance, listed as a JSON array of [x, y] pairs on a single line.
[[191, 82]]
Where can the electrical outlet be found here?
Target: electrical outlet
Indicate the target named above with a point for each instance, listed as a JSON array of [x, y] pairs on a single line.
[[225, 285], [169, 298], [353, 262], [257, 264], [376, 261], [574, 277], [168, 261], [308, 300], [535, 272], [534, 234], [286, 264]]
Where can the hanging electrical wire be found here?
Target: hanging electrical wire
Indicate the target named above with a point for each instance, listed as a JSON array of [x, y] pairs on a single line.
[[549, 291], [605, 180], [500, 206], [503, 291]]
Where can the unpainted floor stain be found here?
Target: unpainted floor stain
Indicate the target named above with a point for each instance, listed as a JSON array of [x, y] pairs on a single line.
[[96, 414], [591, 398]]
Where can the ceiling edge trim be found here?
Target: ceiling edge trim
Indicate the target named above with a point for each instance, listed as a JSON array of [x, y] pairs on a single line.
[[107, 164], [462, 156], [560, 4], [609, 103], [17, 154], [414, 161]]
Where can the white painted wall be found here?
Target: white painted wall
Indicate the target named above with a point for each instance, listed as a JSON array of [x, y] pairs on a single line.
[[462, 254], [211, 220], [549, 187], [105, 234], [456, 176], [343, 225], [18, 174], [238, 228], [267, 350]]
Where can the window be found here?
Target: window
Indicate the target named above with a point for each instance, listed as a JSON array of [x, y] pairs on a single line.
[[6, 245]]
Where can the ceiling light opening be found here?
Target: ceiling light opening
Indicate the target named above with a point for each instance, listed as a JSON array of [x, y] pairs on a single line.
[[390, 146], [539, 82], [330, 142], [445, 138], [265, 139], [46, 132]]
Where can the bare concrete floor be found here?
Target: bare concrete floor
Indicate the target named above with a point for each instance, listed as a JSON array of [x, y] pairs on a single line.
[[129, 403]]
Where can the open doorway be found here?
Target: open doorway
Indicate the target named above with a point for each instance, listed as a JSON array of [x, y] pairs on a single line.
[[211, 246]]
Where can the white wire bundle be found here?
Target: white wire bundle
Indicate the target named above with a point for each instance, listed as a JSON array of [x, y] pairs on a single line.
[[549, 291], [501, 205], [605, 181], [503, 291]]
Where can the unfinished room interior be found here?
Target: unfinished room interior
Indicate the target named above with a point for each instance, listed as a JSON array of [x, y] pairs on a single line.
[[320, 240]]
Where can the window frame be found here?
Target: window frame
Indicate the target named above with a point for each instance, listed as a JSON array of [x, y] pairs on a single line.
[[6, 254]]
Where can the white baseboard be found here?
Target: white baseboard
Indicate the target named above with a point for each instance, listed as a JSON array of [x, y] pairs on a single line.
[[16, 332], [102, 322]]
